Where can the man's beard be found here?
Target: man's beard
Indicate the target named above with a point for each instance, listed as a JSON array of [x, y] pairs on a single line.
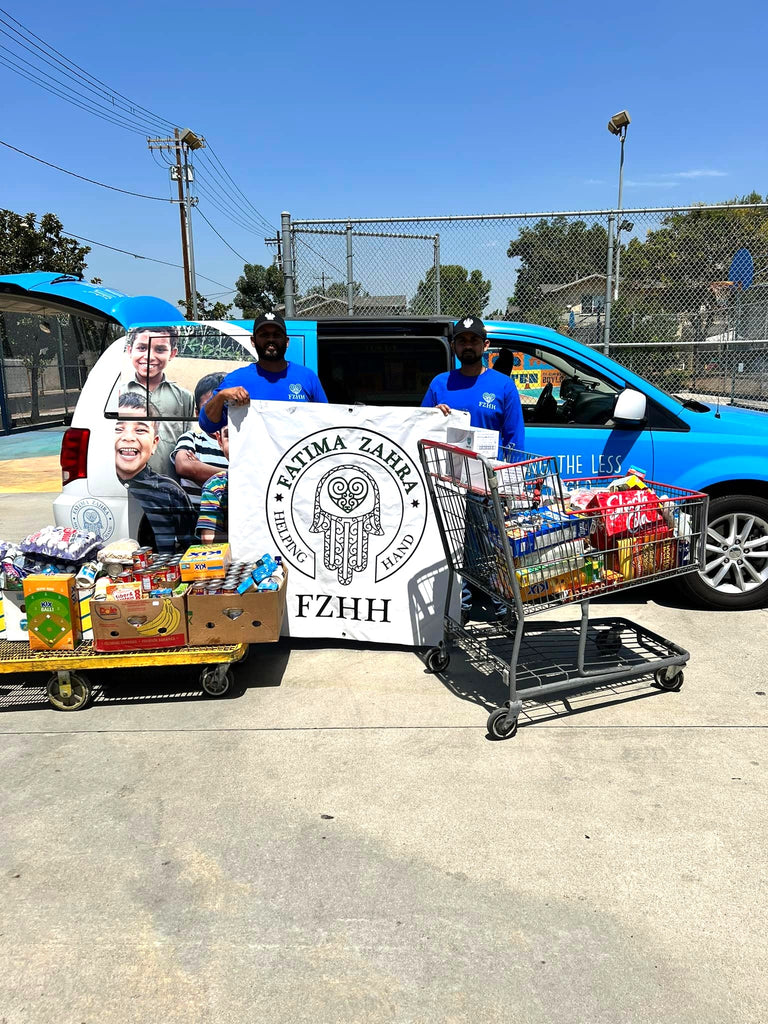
[[470, 357]]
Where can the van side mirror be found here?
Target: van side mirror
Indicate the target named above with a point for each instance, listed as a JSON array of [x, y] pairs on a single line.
[[630, 407]]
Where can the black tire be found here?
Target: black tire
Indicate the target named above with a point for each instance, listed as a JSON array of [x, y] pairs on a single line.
[[79, 697], [727, 596], [498, 729], [437, 660], [213, 685], [670, 678]]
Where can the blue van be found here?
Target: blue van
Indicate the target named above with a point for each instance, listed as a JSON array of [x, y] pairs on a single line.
[[595, 415]]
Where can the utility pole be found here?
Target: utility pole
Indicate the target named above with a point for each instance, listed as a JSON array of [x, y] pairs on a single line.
[[183, 174]]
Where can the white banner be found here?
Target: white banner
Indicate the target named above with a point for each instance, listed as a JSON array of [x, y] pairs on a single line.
[[339, 493]]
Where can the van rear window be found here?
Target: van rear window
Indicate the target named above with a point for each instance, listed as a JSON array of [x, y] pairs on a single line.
[[380, 371]]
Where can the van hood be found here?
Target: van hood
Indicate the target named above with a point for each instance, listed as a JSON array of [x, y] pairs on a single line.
[[45, 294], [731, 420]]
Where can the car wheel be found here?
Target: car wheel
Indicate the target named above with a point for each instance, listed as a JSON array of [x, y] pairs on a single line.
[[735, 572]]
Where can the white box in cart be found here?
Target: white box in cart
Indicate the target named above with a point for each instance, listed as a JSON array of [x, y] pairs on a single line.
[[15, 616], [476, 439]]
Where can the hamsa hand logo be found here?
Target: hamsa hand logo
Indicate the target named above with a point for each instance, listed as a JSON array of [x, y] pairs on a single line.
[[347, 510]]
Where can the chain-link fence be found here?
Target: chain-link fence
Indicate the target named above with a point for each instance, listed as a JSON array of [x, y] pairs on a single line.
[[44, 361], [669, 292]]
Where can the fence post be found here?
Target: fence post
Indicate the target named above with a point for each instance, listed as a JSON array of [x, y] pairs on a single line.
[[288, 271], [608, 289], [437, 274], [350, 274]]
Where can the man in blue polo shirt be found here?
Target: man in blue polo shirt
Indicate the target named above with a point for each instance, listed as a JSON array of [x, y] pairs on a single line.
[[490, 398], [273, 378], [492, 401]]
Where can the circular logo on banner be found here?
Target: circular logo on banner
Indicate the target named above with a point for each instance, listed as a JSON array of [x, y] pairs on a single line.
[[93, 515], [347, 501]]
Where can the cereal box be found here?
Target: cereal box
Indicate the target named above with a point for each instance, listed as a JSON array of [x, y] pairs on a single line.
[[53, 614]]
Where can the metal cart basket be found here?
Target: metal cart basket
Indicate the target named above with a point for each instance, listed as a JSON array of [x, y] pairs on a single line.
[[533, 543], [69, 689]]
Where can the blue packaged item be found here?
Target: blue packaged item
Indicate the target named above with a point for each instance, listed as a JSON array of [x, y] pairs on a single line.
[[543, 528]]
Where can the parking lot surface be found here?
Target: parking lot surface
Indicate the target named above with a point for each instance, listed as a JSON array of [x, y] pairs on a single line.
[[339, 841]]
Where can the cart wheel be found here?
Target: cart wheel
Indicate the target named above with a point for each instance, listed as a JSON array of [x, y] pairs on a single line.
[[499, 726], [214, 684], [608, 642], [71, 696], [670, 678], [437, 660]]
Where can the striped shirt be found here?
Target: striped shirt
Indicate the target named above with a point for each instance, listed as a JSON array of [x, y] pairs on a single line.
[[214, 506], [207, 450]]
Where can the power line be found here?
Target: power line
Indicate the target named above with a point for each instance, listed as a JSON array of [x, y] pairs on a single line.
[[92, 181], [213, 229], [245, 197], [140, 256], [82, 73], [224, 194], [134, 124], [56, 92]]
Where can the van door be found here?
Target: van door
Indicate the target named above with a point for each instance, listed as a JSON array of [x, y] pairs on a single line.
[[567, 407]]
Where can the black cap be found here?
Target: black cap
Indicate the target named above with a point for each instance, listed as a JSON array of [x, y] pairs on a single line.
[[470, 325], [270, 318]]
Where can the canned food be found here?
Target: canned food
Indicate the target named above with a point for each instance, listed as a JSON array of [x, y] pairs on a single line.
[[141, 558], [126, 576], [197, 588]]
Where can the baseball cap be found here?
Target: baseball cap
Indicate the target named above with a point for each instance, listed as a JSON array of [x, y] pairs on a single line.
[[270, 318], [470, 325]]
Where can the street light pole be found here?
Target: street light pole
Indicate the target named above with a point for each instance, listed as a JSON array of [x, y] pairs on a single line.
[[616, 126], [618, 217]]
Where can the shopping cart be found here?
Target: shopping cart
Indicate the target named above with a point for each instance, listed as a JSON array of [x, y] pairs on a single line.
[[533, 543]]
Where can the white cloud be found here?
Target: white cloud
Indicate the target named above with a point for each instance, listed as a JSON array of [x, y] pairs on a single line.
[[651, 184], [697, 174], [594, 181]]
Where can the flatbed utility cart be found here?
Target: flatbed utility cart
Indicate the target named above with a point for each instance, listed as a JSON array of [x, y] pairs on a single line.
[[69, 689], [534, 543]]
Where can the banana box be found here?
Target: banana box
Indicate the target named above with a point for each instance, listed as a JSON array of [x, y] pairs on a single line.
[[148, 624], [53, 612], [205, 562], [255, 617]]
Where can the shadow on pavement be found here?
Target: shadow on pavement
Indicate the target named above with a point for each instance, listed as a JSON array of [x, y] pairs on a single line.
[[263, 666]]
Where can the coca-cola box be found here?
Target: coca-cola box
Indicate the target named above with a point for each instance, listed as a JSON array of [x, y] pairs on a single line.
[[622, 514]]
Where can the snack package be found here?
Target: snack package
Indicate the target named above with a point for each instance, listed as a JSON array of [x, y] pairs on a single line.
[[623, 513], [538, 530], [63, 543]]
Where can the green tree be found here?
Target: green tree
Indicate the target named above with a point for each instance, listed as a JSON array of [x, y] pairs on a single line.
[[679, 261], [259, 289], [26, 246], [462, 292], [206, 311], [338, 290], [554, 251]]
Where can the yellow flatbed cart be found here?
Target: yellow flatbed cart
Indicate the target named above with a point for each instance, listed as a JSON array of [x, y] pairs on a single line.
[[69, 689]]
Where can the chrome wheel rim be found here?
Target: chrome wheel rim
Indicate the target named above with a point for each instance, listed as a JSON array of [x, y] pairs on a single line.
[[736, 558]]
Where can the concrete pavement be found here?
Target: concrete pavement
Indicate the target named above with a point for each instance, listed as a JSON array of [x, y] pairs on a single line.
[[340, 842]]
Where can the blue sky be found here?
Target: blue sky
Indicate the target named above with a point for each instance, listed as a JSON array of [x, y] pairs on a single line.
[[385, 110]]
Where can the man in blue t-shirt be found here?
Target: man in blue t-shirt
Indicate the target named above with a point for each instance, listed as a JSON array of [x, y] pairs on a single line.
[[492, 401], [490, 398], [273, 378]]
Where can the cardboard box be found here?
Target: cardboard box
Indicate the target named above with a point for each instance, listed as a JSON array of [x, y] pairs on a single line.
[[251, 618], [476, 439], [13, 616], [84, 601], [152, 623], [205, 562], [53, 612]]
